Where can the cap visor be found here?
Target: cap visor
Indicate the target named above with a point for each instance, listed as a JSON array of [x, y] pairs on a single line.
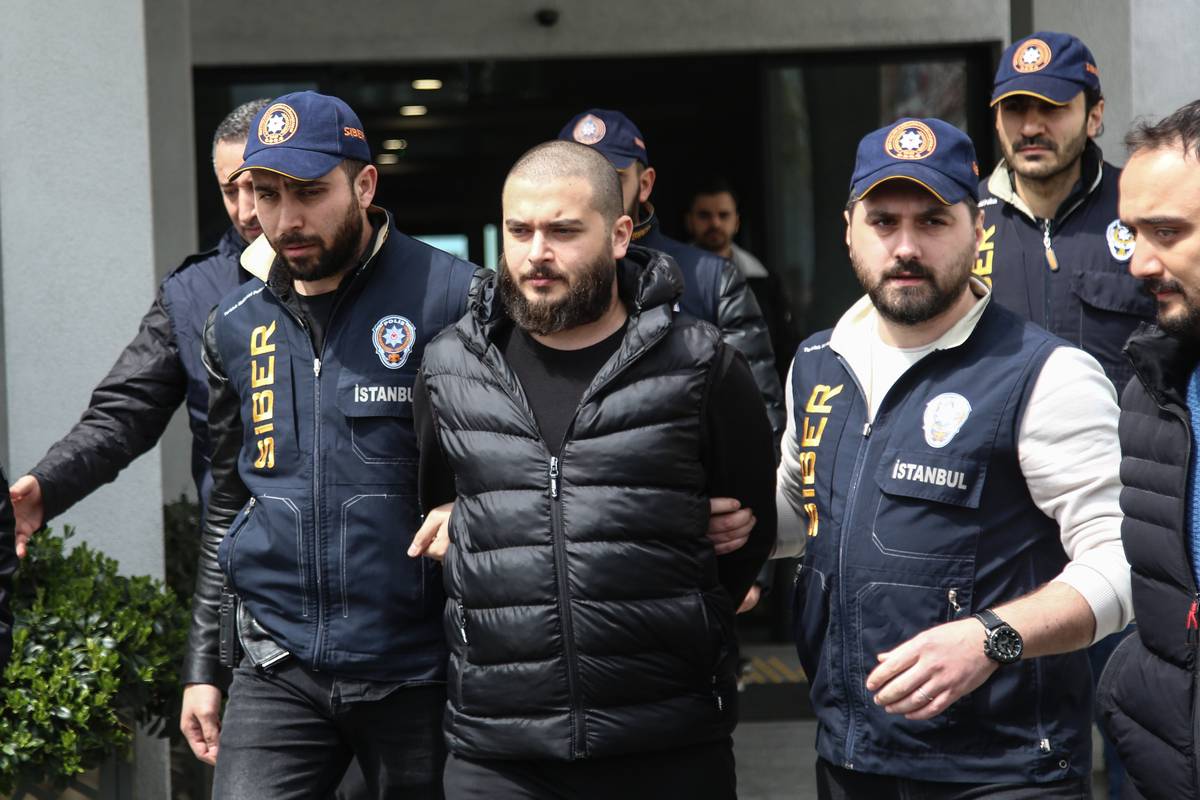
[[300, 165], [1056, 91], [932, 181]]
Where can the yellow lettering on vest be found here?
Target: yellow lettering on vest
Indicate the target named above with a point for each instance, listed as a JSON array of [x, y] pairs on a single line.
[[818, 401], [812, 436], [262, 406], [266, 454], [262, 377], [813, 521], [260, 340], [987, 249]]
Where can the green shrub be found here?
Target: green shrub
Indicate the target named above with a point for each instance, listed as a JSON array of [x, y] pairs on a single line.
[[95, 654]]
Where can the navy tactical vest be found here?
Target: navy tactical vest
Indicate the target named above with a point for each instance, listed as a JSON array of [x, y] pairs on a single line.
[[318, 555], [189, 294], [920, 518]]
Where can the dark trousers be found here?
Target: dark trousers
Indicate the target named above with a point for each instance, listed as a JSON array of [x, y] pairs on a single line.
[[702, 772], [290, 733], [835, 783]]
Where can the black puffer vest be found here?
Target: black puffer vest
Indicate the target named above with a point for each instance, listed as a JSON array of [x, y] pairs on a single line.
[[1148, 695], [584, 614]]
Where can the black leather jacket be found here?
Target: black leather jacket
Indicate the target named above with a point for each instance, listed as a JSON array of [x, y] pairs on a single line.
[[8, 565]]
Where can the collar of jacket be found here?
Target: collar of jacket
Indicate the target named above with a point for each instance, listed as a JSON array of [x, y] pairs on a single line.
[[1000, 183], [859, 326], [646, 222], [647, 281], [1162, 362], [231, 246]]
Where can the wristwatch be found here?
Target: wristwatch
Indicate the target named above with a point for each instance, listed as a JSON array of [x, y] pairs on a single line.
[[1003, 644]]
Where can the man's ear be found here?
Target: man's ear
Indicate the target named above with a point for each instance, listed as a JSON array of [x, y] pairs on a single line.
[[622, 235], [365, 185], [646, 184]]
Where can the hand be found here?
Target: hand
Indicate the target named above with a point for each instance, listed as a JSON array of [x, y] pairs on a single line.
[[433, 537], [200, 720], [923, 676], [729, 524], [26, 496], [751, 600]]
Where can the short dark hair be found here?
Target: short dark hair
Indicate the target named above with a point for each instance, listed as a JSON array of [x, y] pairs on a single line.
[[714, 184], [1181, 129], [561, 159], [352, 167], [236, 125]]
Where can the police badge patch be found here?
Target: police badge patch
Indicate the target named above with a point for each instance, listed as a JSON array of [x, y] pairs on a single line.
[[910, 141], [589, 130], [393, 338], [1120, 240], [278, 124], [944, 417]]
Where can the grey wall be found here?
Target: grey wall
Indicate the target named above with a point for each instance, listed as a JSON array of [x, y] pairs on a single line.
[[232, 31]]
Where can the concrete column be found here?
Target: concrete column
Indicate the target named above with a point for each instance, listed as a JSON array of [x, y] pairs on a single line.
[[97, 197], [1145, 52]]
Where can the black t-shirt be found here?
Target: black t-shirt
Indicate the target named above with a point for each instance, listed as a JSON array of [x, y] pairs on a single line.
[[738, 454], [316, 309], [554, 380]]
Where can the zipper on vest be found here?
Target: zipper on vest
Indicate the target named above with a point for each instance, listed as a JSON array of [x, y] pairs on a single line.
[[1051, 258], [851, 498], [952, 598], [317, 548], [579, 743]]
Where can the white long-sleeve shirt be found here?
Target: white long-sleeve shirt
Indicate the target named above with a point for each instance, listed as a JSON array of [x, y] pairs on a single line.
[[1067, 448]]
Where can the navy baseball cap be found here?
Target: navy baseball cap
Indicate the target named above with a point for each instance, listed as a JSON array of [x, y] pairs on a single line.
[[928, 152], [304, 135], [1049, 66], [610, 132]]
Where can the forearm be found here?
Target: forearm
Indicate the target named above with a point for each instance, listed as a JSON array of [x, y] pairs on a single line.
[[740, 462], [435, 479], [1053, 619]]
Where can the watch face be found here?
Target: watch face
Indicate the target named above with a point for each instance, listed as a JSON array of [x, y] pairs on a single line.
[[1006, 644]]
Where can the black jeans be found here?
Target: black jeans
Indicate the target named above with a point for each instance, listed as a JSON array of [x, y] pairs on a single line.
[[701, 772], [290, 733], [835, 783]]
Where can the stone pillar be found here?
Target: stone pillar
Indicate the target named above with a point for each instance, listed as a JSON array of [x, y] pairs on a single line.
[[97, 198]]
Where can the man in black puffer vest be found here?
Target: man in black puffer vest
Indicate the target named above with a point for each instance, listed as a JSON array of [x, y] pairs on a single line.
[[1148, 693], [579, 424]]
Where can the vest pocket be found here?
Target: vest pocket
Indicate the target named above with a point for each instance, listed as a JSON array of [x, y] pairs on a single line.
[[229, 542], [379, 417], [887, 615], [266, 562], [927, 513]]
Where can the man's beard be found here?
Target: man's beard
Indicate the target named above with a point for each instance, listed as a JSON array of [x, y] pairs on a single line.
[[1184, 326], [1043, 170], [589, 295], [912, 305], [328, 261], [713, 239]]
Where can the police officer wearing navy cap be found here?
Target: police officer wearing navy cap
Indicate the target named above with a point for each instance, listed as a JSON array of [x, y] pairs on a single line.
[[714, 288], [1054, 249], [949, 478], [303, 563]]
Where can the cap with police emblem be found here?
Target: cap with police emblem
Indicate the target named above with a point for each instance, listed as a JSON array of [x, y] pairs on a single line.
[[303, 136], [610, 132], [929, 152], [1049, 66]]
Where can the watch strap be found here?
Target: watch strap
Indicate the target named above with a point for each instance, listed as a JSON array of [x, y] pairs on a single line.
[[990, 619]]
